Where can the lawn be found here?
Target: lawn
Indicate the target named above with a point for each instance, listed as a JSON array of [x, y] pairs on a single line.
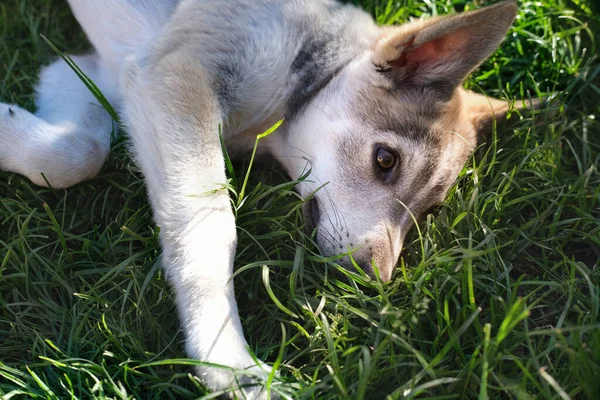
[[496, 294]]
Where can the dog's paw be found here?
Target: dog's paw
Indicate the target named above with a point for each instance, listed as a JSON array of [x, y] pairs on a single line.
[[249, 383]]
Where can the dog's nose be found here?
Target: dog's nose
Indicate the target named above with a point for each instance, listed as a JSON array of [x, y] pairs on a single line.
[[385, 267], [370, 258], [385, 270]]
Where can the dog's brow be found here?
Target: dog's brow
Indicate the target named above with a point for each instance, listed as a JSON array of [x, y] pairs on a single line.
[[411, 115]]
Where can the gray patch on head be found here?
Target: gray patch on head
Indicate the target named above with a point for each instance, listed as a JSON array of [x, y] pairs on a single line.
[[331, 41], [443, 90], [313, 68], [409, 113]]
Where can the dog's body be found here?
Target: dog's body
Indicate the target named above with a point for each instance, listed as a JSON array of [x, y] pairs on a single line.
[[377, 114]]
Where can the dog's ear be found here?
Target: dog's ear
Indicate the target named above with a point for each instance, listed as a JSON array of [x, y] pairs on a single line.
[[442, 51], [482, 111]]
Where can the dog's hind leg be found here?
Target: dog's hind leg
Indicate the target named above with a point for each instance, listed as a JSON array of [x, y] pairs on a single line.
[[173, 118], [120, 28], [67, 140]]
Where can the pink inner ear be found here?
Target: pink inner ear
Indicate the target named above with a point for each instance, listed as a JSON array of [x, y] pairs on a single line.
[[427, 52], [436, 51]]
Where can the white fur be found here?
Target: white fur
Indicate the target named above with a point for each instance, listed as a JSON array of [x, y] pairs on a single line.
[[68, 138]]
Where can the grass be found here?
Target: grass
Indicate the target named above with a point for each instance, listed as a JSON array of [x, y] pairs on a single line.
[[497, 294]]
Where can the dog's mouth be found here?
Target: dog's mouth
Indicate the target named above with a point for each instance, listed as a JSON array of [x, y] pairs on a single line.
[[312, 214], [363, 255]]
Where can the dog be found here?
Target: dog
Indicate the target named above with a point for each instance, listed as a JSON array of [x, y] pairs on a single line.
[[377, 114]]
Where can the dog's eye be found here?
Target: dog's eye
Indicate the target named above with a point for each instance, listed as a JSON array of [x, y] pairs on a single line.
[[385, 159]]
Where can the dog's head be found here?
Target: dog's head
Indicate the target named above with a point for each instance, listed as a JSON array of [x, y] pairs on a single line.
[[389, 135]]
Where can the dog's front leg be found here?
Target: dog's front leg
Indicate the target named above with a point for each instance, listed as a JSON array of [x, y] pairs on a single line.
[[173, 116]]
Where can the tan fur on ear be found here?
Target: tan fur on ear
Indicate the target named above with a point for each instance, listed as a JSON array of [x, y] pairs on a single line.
[[444, 48], [483, 111]]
